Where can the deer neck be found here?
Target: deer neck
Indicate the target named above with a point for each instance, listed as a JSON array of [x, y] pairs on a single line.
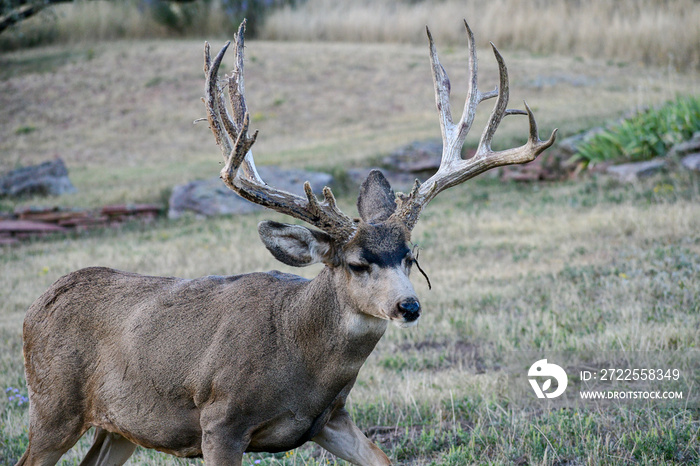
[[329, 328]]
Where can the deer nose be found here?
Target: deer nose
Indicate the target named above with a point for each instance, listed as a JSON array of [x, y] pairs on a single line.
[[409, 309]]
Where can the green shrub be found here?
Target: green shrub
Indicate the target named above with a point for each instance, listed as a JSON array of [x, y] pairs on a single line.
[[646, 135]]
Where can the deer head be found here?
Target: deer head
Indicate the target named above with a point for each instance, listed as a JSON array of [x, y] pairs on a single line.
[[372, 254]]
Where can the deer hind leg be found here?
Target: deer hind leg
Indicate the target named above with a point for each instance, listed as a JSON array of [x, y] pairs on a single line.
[[108, 448], [341, 437]]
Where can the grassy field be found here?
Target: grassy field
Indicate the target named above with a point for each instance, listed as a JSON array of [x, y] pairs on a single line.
[[587, 267]]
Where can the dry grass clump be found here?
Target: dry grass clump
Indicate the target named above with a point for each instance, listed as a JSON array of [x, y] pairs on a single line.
[[649, 31]]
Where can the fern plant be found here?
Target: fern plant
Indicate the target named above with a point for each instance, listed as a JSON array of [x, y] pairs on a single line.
[[644, 136]]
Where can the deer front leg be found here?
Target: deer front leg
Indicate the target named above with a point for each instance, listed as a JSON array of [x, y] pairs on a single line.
[[341, 437]]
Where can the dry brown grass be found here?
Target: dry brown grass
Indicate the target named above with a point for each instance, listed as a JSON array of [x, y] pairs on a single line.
[[660, 32]]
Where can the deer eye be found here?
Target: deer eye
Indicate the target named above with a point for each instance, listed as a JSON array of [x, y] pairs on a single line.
[[359, 267]]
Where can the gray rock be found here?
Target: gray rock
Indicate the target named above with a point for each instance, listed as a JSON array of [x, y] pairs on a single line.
[[46, 179], [570, 145], [292, 179], [629, 172], [691, 146], [212, 197], [207, 197], [691, 162], [419, 156]]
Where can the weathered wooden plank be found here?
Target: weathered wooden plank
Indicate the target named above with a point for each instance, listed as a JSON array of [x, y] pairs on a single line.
[[28, 226]]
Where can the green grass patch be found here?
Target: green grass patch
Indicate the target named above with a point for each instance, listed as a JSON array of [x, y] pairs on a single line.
[[28, 129]]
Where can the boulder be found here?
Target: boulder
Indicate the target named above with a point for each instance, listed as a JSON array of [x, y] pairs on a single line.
[[46, 179], [419, 156], [633, 171], [212, 197], [691, 162], [691, 146], [569, 146]]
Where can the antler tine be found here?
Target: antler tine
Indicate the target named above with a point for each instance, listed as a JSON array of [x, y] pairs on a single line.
[[500, 108], [456, 134], [453, 169], [236, 88], [239, 172], [474, 96], [442, 89], [213, 100]]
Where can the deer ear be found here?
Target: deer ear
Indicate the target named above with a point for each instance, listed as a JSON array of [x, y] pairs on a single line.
[[296, 245], [377, 200]]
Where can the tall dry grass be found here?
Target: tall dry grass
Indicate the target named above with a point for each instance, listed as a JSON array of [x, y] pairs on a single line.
[[659, 32], [84, 21], [656, 32]]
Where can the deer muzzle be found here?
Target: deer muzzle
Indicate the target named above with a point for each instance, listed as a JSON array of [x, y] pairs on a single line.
[[409, 309]]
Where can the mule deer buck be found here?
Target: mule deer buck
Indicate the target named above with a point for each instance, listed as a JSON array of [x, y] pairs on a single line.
[[219, 366]]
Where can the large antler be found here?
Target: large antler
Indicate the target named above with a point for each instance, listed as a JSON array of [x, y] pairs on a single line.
[[453, 169], [239, 172]]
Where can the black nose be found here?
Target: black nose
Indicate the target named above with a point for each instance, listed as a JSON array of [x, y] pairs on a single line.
[[409, 309]]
